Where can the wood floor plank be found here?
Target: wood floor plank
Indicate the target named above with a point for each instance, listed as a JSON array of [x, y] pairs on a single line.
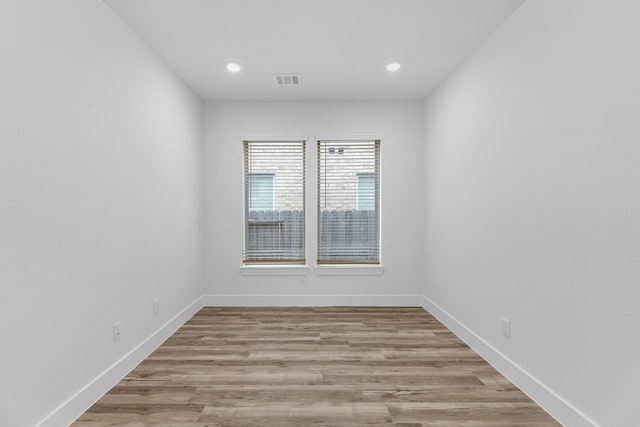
[[314, 366]]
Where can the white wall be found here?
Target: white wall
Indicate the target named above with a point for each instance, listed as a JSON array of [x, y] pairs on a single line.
[[100, 199], [401, 125], [532, 200]]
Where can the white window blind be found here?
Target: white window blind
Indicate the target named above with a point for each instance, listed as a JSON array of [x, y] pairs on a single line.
[[349, 202], [274, 202]]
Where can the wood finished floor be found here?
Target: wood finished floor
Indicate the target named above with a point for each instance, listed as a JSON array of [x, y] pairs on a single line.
[[320, 366]]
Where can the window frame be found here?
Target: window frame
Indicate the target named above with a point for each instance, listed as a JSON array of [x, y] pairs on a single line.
[[350, 267], [298, 270], [251, 267]]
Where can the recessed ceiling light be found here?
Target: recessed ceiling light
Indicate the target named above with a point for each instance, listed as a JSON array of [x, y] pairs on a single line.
[[233, 67], [393, 66]]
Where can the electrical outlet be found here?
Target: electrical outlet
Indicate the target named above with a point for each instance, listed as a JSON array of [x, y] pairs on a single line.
[[506, 328], [303, 280], [156, 307], [117, 331]]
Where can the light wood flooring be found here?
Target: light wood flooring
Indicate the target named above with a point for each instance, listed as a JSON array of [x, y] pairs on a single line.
[[320, 366]]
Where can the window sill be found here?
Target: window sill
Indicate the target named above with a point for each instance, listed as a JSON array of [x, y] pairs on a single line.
[[350, 270], [274, 270]]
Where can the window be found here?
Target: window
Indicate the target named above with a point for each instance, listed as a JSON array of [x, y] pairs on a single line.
[[349, 202], [366, 191], [274, 206], [261, 192]]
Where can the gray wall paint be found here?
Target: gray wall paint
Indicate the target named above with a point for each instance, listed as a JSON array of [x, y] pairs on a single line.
[[100, 205], [401, 124], [526, 198], [532, 201]]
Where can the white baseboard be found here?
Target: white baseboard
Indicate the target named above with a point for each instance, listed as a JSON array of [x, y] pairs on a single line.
[[311, 300], [559, 408], [77, 404]]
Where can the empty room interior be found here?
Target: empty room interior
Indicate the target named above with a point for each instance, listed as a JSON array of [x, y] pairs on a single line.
[[320, 213]]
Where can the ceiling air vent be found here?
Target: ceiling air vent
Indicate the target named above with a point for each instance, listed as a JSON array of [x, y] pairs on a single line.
[[287, 80]]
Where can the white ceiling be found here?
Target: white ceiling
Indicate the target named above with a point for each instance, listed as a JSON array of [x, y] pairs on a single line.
[[338, 47]]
